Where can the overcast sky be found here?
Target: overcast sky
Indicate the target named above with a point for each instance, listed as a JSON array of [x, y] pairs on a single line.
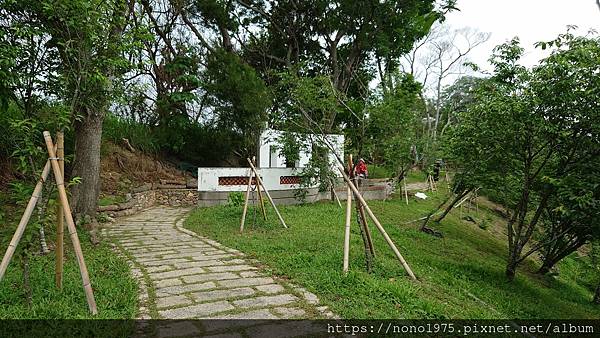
[[531, 20]]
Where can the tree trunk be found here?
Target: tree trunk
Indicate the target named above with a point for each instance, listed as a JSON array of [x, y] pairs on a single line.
[[512, 263], [449, 207], [88, 136]]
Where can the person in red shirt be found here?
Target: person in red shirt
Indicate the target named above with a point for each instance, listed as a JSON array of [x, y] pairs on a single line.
[[361, 169]]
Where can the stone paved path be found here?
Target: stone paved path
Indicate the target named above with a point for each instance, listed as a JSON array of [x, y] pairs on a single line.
[[183, 275]]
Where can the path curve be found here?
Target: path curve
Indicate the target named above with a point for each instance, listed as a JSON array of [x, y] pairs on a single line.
[[183, 275]]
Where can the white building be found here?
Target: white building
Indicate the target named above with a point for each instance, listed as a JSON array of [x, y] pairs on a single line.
[[269, 153], [280, 177]]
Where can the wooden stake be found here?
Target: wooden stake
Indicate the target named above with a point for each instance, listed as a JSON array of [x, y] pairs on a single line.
[[379, 226], [60, 226], [347, 229], [335, 194], [405, 190], [24, 220], [260, 182], [362, 221], [260, 197], [246, 201], [89, 294]]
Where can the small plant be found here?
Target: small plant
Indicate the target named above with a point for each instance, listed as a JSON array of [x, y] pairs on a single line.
[[235, 199], [20, 192], [485, 224]]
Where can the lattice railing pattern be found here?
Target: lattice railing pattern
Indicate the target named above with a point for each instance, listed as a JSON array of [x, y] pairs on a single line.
[[235, 180], [289, 179]]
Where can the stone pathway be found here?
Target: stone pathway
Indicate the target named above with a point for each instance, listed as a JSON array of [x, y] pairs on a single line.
[[183, 275]]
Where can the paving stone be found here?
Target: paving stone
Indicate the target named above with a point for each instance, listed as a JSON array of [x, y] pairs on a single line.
[[165, 261], [209, 277], [171, 301], [230, 268], [196, 311], [176, 273], [246, 282], [168, 282], [181, 289], [270, 288], [233, 261], [207, 258], [289, 312], [160, 268], [247, 274], [221, 294], [265, 301], [189, 264], [310, 297]]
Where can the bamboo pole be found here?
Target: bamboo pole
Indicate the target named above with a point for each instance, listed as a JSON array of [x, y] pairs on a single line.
[[260, 197], [405, 190], [89, 294], [60, 226], [246, 201], [260, 182], [24, 220], [347, 229], [334, 193], [379, 226]]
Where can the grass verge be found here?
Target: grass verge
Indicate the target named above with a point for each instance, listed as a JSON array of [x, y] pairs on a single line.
[[115, 290]]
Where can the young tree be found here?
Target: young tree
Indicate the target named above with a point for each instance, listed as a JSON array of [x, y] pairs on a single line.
[[532, 129]]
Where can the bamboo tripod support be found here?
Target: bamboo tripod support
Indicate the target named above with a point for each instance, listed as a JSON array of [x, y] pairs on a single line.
[[60, 226], [362, 221], [405, 190], [58, 176], [260, 182], [260, 197], [246, 201], [347, 229], [24, 220], [378, 225]]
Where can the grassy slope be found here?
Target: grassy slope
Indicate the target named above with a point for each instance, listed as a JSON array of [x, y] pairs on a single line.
[[460, 276]]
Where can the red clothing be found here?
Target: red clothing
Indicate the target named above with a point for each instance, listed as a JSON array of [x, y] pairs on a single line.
[[361, 169]]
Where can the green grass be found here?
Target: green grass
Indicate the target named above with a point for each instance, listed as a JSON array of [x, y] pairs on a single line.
[[460, 275], [115, 290], [376, 171], [110, 200], [415, 176]]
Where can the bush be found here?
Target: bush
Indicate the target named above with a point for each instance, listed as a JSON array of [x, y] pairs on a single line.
[[235, 199]]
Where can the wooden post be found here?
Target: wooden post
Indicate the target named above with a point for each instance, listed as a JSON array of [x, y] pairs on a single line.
[[334, 193], [379, 226], [347, 229], [259, 181], [362, 222], [24, 220], [405, 190], [60, 226], [246, 201], [89, 294], [260, 197]]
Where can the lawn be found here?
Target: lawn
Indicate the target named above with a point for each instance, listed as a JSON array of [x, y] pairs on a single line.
[[115, 290], [460, 275]]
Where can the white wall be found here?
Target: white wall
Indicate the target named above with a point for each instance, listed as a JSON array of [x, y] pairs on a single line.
[[268, 142], [208, 178]]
